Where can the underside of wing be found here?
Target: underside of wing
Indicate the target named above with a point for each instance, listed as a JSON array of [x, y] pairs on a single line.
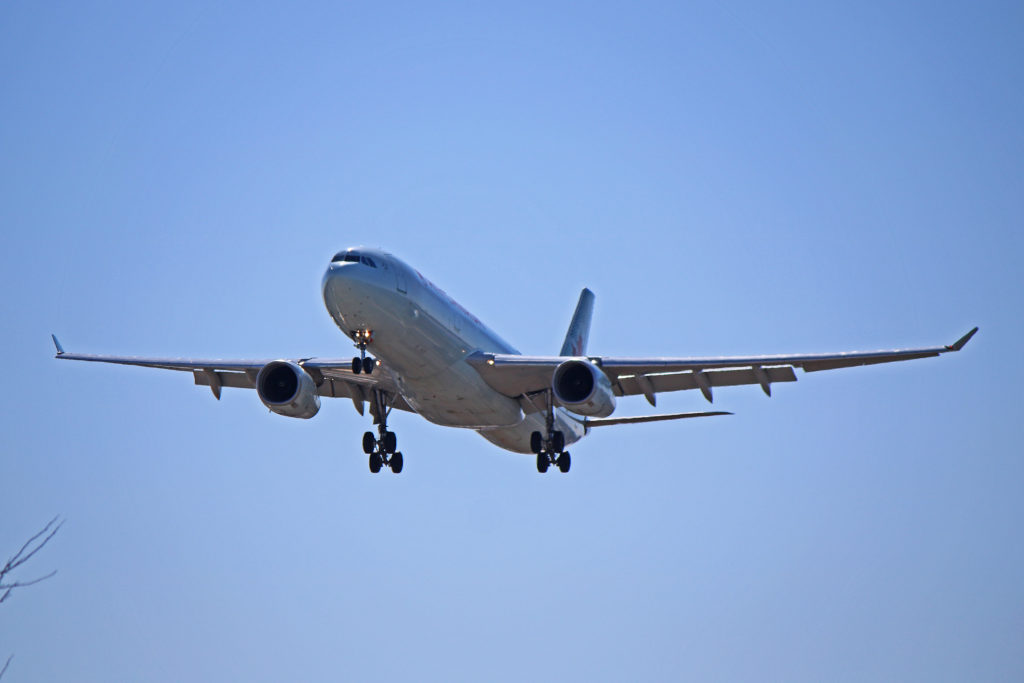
[[332, 378], [517, 376]]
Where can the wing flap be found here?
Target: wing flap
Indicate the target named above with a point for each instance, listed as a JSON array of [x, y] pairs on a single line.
[[857, 360], [632, 385], [208, 378]]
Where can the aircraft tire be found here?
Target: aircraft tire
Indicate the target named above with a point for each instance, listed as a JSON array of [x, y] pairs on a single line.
[[390, 442], [368, 364], [557, 442], [396, 463], [563, 462], [369, 442], [542, 462], [536, 442], [375, 462], [357, 365]]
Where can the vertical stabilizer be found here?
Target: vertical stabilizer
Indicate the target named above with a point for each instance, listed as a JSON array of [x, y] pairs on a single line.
[[579, 329]]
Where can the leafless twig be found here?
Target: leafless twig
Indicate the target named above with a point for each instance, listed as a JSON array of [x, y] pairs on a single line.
[[24, 554]]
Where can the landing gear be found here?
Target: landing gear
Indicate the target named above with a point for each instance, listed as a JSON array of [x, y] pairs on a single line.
[[550, 446], [557, 442], [562, 461], [382, 448], [362, 362]]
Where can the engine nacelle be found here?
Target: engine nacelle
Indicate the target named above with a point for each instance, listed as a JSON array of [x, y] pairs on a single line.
[[286, 389], [581, 386]]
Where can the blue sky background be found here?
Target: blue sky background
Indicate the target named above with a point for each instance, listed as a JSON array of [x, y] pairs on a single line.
[[727, 177]]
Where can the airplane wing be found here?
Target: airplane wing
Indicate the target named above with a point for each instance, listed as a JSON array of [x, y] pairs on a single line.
[[333, 376], [519, 376]]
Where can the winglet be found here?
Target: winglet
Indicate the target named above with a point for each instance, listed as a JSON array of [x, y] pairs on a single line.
[[962, 341], [60, 349]]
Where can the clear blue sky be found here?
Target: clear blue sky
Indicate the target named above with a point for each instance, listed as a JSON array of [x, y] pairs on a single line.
[[727, 177]]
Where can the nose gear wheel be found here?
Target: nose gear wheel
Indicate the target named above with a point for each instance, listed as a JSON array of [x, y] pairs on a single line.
[[363, 363]]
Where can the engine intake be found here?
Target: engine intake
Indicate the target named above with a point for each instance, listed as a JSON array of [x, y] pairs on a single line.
[[581, 386], [287, 390]]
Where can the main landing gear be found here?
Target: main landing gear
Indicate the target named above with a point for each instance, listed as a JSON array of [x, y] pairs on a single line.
[[550, 446], [382, 448], [362, 362]]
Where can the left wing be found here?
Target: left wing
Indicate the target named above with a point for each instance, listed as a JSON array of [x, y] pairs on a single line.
[[516, 376], [333, 377]]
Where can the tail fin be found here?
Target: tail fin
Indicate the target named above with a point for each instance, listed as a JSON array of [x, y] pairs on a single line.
[[575, 343]]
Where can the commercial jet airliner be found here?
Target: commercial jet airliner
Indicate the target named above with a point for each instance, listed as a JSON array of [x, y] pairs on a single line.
[[433, 357]]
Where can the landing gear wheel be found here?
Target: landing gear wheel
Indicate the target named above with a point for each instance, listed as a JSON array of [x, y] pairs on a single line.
[[357, 365], [369, 442], [368, 364], [557, 442], [536, 442], [390, 442], [396, 463], [563, 461], [543, 461], [375, 462]]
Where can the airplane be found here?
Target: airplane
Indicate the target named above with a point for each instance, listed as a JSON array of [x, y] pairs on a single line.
[[432, 357]]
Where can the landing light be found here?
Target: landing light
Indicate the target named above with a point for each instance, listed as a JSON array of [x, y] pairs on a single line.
[[490, 361]]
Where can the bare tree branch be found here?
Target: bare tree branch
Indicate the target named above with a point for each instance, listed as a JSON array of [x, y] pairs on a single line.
[[21, 584], [27, 550], [24, 554]]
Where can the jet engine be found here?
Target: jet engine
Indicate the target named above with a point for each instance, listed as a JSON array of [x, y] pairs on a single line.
[[581, 386], [286, 389]]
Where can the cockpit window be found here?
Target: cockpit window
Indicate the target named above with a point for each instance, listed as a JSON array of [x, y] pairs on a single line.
[[353, 257]]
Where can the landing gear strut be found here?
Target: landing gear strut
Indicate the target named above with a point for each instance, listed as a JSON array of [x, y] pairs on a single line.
[[362, 362], [550, 446], [382, 448]]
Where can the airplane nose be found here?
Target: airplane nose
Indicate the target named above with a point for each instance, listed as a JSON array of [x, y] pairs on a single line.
[[344, 281], [334, 280]]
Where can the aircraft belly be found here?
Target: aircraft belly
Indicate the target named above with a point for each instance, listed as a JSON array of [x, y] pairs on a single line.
[[458, 397], [517, 438]]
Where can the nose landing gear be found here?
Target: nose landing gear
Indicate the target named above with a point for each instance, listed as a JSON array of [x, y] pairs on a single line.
[[362, 362]]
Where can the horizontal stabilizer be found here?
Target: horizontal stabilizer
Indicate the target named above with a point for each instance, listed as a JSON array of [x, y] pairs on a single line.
[[607, 421]]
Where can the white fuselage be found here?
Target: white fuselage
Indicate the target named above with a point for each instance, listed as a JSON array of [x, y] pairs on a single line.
[[423, 336]]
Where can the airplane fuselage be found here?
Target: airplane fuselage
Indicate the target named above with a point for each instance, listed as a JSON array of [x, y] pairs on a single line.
[[424, 337]]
